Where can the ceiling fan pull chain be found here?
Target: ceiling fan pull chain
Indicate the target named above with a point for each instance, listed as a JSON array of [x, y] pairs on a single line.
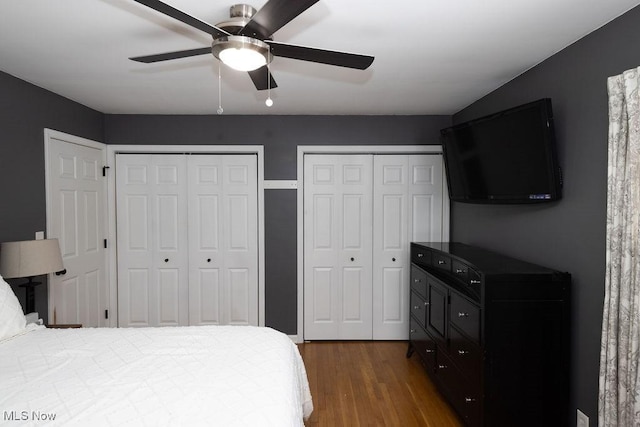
[[220, 109], [269, 101]]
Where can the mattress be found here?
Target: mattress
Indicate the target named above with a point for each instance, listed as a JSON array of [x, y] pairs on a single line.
[[197, 375]]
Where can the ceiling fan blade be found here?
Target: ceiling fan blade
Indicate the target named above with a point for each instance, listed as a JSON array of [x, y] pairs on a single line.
[[183, 17], [273, 16], [260, 76], [331, 57], [148, 59]]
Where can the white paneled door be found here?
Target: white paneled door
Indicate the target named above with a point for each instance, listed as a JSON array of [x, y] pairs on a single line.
[[407, 208], [360, 214], [223, 233], [338, 222], [152, 241], [187, 239], [76, 206]]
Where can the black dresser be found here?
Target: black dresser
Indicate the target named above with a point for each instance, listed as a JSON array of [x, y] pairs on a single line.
[[492, 333]]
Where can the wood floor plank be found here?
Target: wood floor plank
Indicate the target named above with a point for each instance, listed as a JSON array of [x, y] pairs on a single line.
[[371, 383]]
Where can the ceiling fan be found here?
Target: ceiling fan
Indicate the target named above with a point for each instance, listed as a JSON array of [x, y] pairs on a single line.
[[245, 43]]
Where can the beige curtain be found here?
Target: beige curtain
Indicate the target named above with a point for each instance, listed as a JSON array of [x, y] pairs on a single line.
[[619, 395]]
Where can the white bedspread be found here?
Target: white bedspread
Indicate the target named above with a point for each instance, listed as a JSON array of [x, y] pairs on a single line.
[[200, 375]]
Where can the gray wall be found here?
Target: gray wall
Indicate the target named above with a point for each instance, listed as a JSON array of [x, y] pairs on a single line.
[[568, 235], [280, 136], [25, 110]]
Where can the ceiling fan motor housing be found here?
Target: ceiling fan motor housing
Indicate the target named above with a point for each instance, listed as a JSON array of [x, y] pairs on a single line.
[[242, 10], [240, 15]]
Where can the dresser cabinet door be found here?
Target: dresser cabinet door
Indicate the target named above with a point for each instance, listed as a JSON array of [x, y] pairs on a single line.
[[437, 312]]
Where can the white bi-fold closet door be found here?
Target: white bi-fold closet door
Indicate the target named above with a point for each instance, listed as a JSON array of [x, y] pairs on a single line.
[[187, 239], [360, 214]]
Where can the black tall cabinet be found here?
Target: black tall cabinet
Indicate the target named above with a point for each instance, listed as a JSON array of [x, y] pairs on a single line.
[[493, 334]]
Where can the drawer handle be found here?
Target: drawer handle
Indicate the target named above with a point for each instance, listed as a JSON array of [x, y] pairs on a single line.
[[469, 399], [426, 303], [412, 331], [420, 255], [463, 352], [442, 366], [417, 280], [441, 262], [460, 271], [475, 282], [416, 307], [429, 351], [166, 260], [461, 314]]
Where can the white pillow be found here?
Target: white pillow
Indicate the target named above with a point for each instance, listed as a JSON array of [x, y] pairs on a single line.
[[12, 319]]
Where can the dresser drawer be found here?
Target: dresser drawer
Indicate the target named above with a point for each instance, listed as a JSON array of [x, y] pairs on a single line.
[[474, 280], [423, 344], [418, 308], [464, 393], [465, 316], [468, 277], [421, 257], [466, 354], [441, 262], [419, 281], [468, 403]]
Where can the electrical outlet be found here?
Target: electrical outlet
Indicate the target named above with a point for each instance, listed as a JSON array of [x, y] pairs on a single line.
[[581, 419]]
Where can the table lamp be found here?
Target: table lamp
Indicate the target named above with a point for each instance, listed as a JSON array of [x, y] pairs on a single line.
[[28, 259]]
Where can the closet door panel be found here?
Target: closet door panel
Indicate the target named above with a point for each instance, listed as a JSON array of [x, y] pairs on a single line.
[[239, 300], [240, 195], [390, 246], [393, 295], [168, 304], [223, 238], [206, 233], [338, 222], [426, 188], [407, 207], [206, 294], [138, 290], [152, 240]]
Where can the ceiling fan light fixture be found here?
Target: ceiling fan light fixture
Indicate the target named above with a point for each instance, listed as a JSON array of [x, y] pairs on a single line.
[[241, 53]]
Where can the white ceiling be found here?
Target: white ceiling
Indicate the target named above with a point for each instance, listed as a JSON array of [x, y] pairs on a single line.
[[431, 57]]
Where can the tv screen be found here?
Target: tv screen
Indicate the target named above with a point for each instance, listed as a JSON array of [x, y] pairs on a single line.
[[507, 157]]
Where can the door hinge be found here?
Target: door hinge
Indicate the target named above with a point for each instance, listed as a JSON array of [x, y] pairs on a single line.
[[104, 170], [105, 243], [106, 314]]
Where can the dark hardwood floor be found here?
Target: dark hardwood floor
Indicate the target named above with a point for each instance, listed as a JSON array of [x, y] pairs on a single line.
[[371, 383]]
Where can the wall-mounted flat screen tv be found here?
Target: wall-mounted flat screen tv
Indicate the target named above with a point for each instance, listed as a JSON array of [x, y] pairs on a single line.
[[506, 157]]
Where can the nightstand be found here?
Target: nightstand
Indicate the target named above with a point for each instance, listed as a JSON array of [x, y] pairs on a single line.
[[65, 326]]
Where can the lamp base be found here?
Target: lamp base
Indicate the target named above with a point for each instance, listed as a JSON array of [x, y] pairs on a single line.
[[30, 295]]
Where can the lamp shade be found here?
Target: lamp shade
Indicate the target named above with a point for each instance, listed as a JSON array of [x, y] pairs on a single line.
[[30, 258]]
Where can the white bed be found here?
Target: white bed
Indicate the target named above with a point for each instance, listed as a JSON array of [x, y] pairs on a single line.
[[200, 375]]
